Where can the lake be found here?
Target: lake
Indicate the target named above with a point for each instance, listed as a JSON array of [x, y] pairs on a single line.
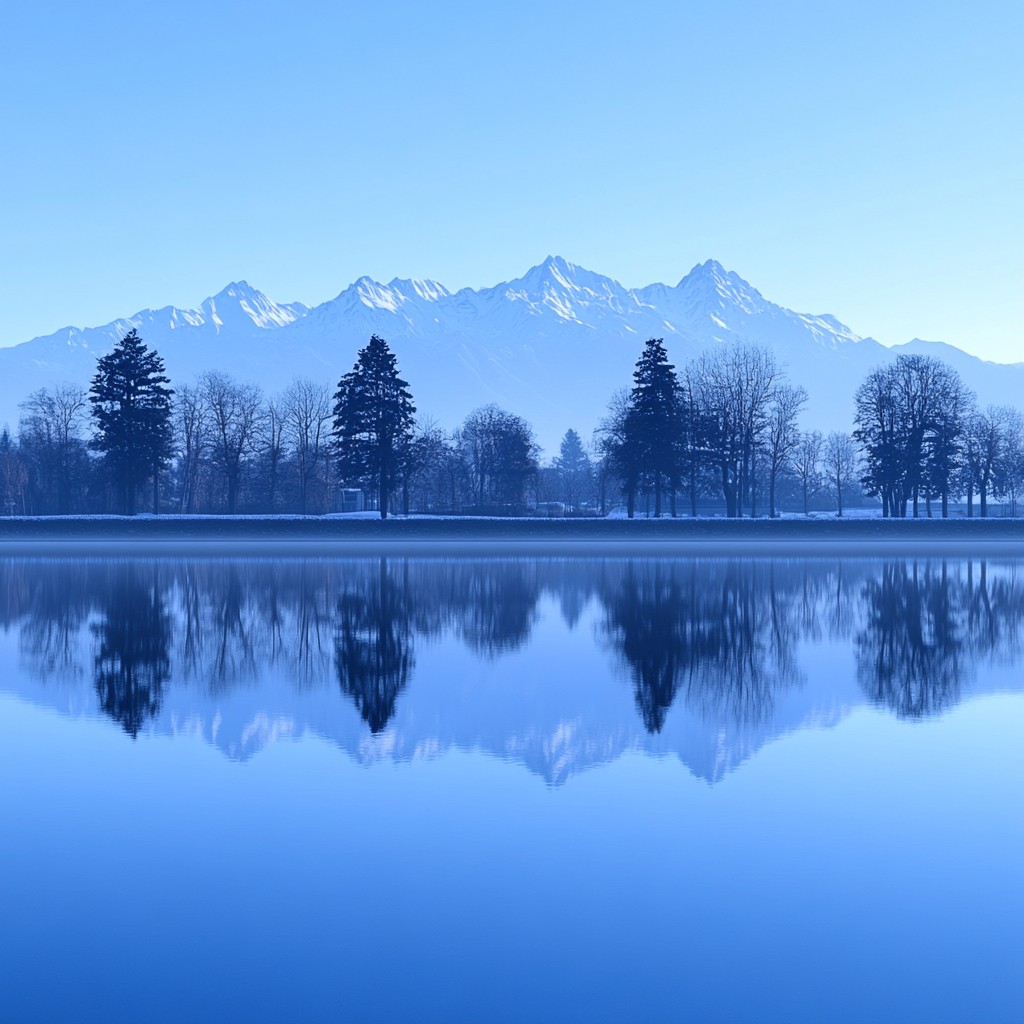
[[512, 789]]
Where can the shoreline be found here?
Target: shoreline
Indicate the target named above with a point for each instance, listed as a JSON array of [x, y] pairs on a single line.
[[311, 536]]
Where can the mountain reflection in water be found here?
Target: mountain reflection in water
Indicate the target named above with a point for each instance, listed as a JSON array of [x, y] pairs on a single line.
[[719, 653]]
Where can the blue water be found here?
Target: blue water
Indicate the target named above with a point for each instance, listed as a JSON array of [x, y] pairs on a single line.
[[511, 790]]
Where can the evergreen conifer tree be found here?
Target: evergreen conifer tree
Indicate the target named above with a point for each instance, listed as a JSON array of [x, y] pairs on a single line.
[[373, 422], [131, 406], [652, 434], [575, 471]]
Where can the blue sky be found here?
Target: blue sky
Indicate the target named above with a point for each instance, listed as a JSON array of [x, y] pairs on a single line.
[[854, 159]]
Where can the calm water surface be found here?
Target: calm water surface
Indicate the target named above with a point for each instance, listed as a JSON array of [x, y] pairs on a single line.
[[412, 789]]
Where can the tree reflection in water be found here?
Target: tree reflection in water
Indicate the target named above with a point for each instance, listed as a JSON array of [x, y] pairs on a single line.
[[646, 621], [373, 643], [926, 627], [492, 606], [51, 608], [909, 652], [722, 632], [132, 662], [721, 638]]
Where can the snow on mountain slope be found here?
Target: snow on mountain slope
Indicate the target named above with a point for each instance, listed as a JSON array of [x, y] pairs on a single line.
[[236, 315], [552, 345], [242, 306]]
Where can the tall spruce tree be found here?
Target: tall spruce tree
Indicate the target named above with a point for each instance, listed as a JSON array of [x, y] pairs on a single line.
[[131, 406], [575, 471], [652, 434], [373, 422]]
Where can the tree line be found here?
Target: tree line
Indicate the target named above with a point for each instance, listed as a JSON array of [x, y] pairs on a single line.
[[728, 426], [722, 434], [131, 442]]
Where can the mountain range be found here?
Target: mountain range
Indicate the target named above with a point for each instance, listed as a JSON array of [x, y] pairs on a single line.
[[551, 346], [555, 725], [556, 736]]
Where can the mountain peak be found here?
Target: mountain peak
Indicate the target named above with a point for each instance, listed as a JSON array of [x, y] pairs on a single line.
[[558, 263], [238, 290], [711, 268], [240, 302], [556, 273], [373, 294], [715, 286]]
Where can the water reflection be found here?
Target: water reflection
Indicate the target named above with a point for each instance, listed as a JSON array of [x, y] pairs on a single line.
[[926, 628], [710, 648], [373, 642], [910, 651], [723, 633], [132, 662]]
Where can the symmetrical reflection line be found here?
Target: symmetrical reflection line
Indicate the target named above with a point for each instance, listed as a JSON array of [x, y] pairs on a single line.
[[724, 639]]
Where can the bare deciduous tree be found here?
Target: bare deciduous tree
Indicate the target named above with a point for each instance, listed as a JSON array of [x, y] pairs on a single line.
[[840, 464], [734, 388], [189, 425], [50, 434], [806, 462], [233, 415], [782, 436], [983, 453], [307, 413], [500, 455]]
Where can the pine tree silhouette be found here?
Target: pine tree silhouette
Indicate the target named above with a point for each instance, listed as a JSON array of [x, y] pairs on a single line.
[[132, 409], [373, 422]]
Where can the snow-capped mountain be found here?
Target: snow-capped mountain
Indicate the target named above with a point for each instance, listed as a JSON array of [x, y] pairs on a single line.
[[551, 346], [234, 319]]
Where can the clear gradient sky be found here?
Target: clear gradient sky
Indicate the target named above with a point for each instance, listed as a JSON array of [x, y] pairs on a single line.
[[862, 159]]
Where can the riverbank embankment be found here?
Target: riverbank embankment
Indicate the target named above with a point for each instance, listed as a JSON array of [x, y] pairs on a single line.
[[341, 534]]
